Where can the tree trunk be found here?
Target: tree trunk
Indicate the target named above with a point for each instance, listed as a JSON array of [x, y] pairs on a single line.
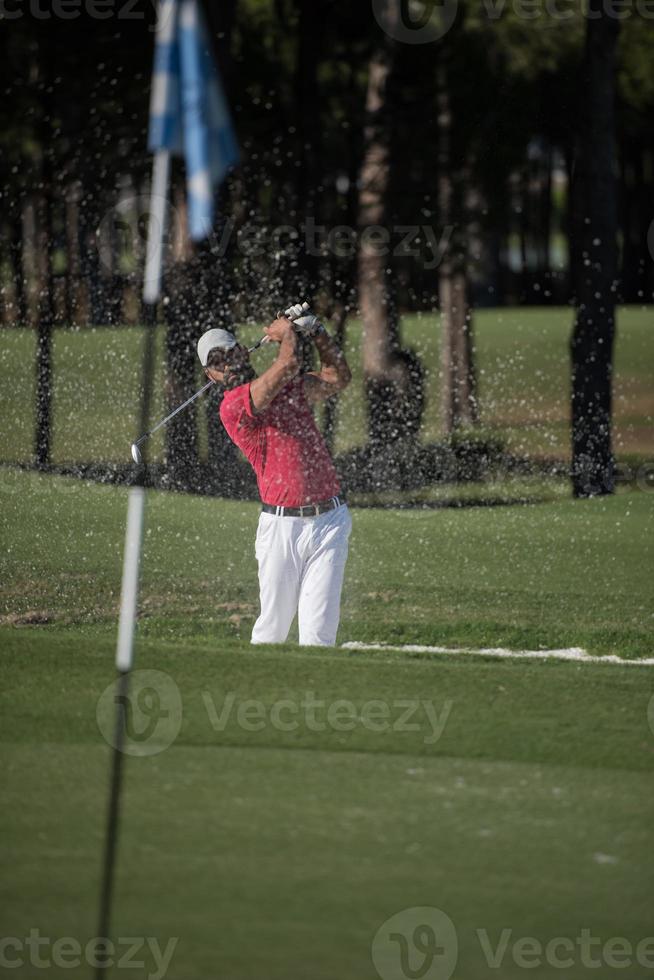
[[17, 271], [458, 404], [90, 216], [73, 283], [43, 436], [636, 215], [185, 314], [44, 246], [394, 379], [569, 229], [339, 320], [341, 269], [218, 269], [30, 259], [309, 173], [544, 264], [222, 454], [595, 228], [181, 337], [219, 18], [7, 301], [524, 231]]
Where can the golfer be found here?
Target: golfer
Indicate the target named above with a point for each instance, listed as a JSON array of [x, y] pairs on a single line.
[[304, 526]]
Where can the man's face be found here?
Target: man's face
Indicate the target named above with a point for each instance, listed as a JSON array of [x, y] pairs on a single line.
[[230, 368]]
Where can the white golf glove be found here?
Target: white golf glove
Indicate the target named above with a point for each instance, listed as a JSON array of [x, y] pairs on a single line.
[[304, 320]]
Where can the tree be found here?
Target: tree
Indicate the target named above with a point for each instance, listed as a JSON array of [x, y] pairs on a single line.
[[45, 245], [595, 261], [458, 392], [394, 379], [636, 140], [197, 300]]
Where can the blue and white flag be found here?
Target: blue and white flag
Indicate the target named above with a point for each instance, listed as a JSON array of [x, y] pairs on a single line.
[[188, 111]]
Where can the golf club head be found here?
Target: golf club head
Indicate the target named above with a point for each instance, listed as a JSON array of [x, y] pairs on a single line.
[[136, 453]]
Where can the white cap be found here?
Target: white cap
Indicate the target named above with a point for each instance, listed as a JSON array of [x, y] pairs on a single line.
[[214, 338]]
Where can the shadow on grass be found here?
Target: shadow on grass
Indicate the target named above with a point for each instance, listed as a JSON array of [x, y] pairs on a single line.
[[204, 483], [449, 503]]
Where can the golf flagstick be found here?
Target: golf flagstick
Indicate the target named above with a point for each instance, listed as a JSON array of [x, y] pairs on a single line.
[[188, 116], [132, 559], [132, 554]]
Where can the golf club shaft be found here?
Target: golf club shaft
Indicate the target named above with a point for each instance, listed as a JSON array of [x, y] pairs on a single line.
[[190, 400], [176, 411], [259, 343]]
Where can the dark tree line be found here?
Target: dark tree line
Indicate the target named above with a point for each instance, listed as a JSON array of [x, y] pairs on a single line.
[[500, 139]]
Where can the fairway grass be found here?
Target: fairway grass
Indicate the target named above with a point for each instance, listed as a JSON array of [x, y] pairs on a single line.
[[553, 575], [516, 796], [522, 362], [279, 853]]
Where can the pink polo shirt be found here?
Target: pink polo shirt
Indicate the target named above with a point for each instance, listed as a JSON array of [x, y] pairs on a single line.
[[283, 445]]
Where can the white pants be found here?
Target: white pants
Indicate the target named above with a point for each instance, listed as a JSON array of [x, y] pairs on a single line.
[[301, 566]]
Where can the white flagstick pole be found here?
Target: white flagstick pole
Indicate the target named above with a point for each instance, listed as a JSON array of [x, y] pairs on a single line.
[[151, 296], [133, 542], [130, 586], [156, 226], [136, 503]]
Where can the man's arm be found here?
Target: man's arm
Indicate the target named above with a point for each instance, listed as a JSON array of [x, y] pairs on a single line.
[[285, 367], [334, 374]]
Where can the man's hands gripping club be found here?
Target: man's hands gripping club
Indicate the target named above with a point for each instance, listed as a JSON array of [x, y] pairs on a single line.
[[287, 364], [334, 375], [304, 320]]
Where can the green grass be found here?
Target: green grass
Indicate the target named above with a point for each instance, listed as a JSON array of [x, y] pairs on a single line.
[[563, 573], [522, 362], [279, 852]]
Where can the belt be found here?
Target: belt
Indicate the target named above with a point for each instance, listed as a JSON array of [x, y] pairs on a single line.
[[310, 510]]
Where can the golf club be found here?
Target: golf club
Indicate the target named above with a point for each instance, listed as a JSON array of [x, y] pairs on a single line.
[[136, 451]]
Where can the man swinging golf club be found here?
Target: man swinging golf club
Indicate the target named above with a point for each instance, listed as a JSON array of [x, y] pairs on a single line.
[[304, 527]]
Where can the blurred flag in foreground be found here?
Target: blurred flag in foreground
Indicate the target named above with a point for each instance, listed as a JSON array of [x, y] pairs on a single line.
[[188, 112]]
